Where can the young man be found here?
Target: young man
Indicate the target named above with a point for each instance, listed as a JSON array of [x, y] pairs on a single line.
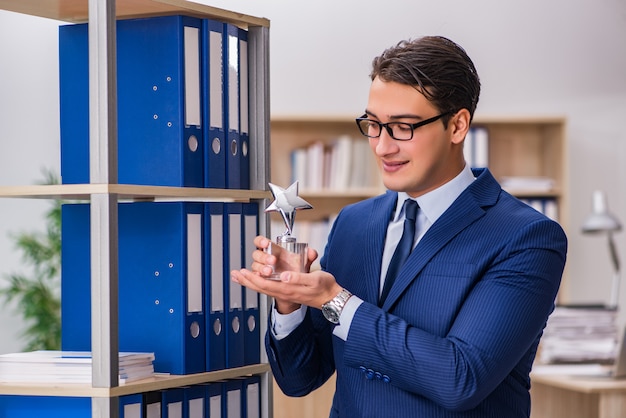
[[454, 332]]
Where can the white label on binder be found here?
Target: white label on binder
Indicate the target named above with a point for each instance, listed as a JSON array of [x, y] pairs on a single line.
[[233, 83], [194, 262], [192, 76], [215, 80], [254, 408], [175, 410], [153, 410], [217, 260], [234, 254], [250, 228], [132, 410], [215, 406], [233, 404], [243, 80], [196, 408]]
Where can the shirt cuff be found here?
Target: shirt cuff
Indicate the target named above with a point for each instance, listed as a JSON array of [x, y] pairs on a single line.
[[284, 324], [345, 319]]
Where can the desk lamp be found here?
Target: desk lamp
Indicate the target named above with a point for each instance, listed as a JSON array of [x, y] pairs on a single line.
[[601, 221]]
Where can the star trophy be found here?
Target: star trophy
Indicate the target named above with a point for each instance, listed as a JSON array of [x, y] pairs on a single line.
[[287, 202]]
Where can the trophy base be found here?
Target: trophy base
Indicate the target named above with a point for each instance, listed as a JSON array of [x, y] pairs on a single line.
[[295, 258]]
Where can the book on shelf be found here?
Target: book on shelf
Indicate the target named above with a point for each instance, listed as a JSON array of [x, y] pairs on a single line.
[[47, 366], [476, 147], [344, 163], [546, 205]]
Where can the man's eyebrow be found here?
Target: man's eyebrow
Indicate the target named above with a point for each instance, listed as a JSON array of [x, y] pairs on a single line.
[[395, 117]]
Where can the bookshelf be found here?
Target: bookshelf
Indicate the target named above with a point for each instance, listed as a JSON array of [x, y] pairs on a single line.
[[290, 133], [518, 147], [104, 193]]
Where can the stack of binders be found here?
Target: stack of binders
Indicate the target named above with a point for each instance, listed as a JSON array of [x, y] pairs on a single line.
[[228, 398], [182, 103], [176, 298], [182, 122]]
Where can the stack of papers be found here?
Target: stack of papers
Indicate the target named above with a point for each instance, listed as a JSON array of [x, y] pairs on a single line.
[[49, 366], [522, 183], [580, 334], [584, 369]]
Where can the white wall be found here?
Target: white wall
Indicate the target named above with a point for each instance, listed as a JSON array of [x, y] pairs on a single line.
[[29, 138], [535, 57]]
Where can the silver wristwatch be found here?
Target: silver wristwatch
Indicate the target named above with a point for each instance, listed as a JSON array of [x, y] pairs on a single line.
[[332, 309]]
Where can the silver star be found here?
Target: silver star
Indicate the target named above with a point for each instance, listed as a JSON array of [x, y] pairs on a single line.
[[286, 202]]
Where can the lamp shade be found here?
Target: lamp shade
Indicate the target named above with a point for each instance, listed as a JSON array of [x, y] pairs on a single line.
[[600, 220]]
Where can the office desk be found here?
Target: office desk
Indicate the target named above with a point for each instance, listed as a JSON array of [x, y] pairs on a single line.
[[554, 396]]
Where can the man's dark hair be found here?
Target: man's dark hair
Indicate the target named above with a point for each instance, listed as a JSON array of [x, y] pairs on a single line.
[[440, 68]]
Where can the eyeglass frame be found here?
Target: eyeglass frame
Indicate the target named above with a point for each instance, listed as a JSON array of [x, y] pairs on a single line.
[[389, 130]]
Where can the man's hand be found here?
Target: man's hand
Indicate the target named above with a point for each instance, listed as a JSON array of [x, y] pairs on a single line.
[[294, 288]]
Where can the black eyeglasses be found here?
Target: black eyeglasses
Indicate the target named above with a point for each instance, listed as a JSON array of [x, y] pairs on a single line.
[[401, 131]]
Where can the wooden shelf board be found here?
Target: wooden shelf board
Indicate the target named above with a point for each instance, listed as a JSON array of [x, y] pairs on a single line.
[[525, 193], [131, 192], [158, 382], [580, 383], [347, 193], [371, 192], [77, 10]]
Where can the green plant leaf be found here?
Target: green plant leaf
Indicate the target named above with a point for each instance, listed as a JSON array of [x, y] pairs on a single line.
[[37, 295]]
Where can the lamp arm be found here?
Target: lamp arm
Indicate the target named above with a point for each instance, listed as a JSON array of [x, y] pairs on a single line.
[[613, 251]]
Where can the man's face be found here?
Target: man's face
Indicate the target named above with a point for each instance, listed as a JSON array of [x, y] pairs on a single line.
[[431, 158]]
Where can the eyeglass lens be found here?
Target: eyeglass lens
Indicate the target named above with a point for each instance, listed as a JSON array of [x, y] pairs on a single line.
[[398, 130]]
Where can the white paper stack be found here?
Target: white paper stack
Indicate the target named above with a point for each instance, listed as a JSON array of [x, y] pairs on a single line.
[[49, 366], [580, 334], [527, 183]]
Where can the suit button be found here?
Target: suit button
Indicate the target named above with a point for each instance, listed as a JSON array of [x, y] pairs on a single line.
[[378, 375], [369, 374], [386, 378], [363, 369]]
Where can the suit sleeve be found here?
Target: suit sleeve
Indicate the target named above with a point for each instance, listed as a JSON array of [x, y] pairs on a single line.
[[302, 361]]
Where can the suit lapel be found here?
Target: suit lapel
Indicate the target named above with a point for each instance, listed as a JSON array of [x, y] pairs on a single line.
[[462, 213], [376, 230]]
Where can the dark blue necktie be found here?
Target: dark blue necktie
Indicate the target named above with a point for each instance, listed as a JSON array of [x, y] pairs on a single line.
[[403, 249]]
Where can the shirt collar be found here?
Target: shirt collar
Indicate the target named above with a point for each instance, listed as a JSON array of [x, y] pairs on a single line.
[[434, 203]]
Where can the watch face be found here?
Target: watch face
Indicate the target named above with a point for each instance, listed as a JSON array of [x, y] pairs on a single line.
[[330, 314]]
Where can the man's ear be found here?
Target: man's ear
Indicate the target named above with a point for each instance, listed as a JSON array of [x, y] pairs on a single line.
[[460, 124]]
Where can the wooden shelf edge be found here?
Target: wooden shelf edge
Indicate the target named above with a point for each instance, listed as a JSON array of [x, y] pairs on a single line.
[[371, 192], [579, 383], [158, 382], [339, 193], [76, 11], [167, 193], [131, 192], [522, 193]]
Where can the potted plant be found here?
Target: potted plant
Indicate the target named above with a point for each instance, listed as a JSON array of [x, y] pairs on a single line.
[[38, 293]]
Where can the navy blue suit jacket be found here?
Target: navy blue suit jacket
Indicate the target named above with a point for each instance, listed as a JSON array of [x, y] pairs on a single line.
[[457, 334]]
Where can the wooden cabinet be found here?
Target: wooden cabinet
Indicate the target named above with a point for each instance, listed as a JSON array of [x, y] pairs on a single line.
[[104, 193], [560, 396]]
